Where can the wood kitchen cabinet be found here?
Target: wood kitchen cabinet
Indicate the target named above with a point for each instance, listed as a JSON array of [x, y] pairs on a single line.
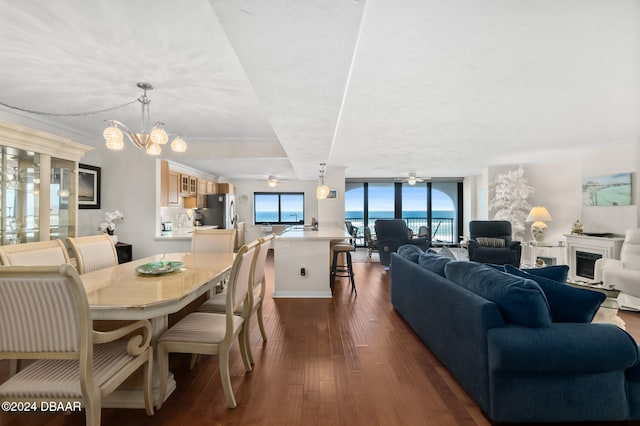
[[212, 187], [225, 188], [201, 197], [169, 186], [184, 184]]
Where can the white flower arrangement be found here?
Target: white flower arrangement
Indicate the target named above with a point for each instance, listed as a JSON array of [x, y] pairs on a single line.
[[111, 217]]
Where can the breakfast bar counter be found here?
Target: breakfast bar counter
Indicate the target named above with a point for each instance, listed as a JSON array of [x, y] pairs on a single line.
[[302, 262]]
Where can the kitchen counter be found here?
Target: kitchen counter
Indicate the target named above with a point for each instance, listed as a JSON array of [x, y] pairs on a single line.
[[298, 249], [184, 233], [298, 233]]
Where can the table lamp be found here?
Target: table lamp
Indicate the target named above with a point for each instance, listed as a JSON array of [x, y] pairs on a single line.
[[538, 215]]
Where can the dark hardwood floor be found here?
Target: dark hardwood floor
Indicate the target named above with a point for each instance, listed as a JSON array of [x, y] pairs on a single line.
[[342, 361]]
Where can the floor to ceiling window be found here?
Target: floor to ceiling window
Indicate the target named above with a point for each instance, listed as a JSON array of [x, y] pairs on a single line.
[[436, 205]]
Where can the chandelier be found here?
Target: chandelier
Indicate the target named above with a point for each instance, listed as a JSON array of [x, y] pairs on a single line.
[[149, 138]]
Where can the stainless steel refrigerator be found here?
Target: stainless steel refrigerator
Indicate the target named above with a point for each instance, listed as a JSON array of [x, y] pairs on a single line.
[[220, 211]]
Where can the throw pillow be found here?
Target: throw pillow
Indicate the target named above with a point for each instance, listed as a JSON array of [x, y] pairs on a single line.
[[557, 273], [446, 252], [521, 301], [433, 262], [490, 242], [566, 303], [410, 252]]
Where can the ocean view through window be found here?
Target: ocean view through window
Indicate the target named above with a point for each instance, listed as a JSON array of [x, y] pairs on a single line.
[[285, 208], [431, 204]]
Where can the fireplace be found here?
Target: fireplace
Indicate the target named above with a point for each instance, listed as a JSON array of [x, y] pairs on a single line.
[[584, 250], [585, 264]]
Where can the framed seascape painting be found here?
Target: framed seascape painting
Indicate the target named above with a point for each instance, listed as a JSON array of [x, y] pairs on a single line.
[[88, 187], [610, 190]]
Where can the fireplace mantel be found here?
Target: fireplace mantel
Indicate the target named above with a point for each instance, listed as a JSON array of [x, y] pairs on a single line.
[[608, 247]]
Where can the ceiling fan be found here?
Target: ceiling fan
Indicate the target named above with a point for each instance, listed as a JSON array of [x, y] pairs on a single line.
[[412, 179], [272, 181]]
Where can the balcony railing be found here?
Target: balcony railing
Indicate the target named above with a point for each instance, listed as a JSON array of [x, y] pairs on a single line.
[[443, 230]]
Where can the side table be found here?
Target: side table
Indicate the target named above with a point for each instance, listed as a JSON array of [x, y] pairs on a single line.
[[608, 312], [124, 252], [552, 252]]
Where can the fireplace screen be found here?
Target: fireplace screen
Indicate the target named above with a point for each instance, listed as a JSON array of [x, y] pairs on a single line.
[[585, 264]]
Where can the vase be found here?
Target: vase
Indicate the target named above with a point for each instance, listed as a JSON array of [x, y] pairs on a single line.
[[114, 239]]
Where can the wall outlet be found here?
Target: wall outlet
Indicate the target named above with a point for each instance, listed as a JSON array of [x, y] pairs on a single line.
[[303, 271]]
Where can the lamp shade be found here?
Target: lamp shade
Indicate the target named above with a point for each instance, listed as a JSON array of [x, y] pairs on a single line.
[[322, 191], [539, 214]]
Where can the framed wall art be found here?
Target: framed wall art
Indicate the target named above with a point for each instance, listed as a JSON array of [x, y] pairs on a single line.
[[610, 190], [88, 187]]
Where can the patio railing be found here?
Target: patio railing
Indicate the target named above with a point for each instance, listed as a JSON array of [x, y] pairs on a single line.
[[443, 230]]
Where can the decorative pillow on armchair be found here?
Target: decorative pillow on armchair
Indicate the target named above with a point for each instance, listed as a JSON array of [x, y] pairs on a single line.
[[566, 303], [490, 242]]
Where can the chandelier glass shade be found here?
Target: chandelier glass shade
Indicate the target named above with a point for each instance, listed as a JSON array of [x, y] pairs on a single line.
[[150, 138], [322, 191]]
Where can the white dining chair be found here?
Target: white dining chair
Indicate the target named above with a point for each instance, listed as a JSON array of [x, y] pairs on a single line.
[[46, 317], [213, 333], [93, 252], [255, 295], [52, 252], [213, 240]]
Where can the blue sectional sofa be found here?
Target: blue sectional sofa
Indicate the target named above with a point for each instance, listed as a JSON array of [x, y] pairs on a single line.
[[524, 351]]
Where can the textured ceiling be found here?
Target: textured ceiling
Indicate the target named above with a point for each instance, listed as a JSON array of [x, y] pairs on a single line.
[[381, 87]]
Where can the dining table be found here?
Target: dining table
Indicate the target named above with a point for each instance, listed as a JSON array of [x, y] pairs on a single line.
[[147, 289]]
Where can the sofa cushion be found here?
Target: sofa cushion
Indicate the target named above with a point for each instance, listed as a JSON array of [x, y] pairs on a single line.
[[555, 272], [411, 252], [566, 303], [433, 262], [490, 242], [521, 301]]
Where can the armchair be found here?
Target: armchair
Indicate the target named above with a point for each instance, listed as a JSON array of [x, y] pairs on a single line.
[[623, 274], [393, 233], [490, 242]]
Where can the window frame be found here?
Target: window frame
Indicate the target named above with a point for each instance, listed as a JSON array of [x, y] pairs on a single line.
[[279, 195]]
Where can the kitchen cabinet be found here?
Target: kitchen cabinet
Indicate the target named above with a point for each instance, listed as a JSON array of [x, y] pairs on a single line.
[[225, 188], [184, 184], [174, 189], [201, 196], [212, 187], [38, 185], [193, 186], [169, 185]]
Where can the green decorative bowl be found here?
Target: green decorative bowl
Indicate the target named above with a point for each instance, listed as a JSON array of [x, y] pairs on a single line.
[[159, 268]]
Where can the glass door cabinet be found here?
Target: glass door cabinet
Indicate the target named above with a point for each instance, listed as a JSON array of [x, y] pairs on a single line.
[[38, 198]]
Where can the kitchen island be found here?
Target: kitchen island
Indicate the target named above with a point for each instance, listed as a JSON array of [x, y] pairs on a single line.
[[302, 261]]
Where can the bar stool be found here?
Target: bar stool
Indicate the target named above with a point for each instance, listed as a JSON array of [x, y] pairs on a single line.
[[345, 271]]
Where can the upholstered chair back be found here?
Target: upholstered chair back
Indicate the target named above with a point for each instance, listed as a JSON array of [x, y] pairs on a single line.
[[213, 240], [44, 311], [51, 252], [260, 261], [490, 229], [630, 253], [93, 252], [239, 280]]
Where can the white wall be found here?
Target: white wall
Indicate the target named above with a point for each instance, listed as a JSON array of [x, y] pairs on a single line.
[[331, 210], [244, 201]]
